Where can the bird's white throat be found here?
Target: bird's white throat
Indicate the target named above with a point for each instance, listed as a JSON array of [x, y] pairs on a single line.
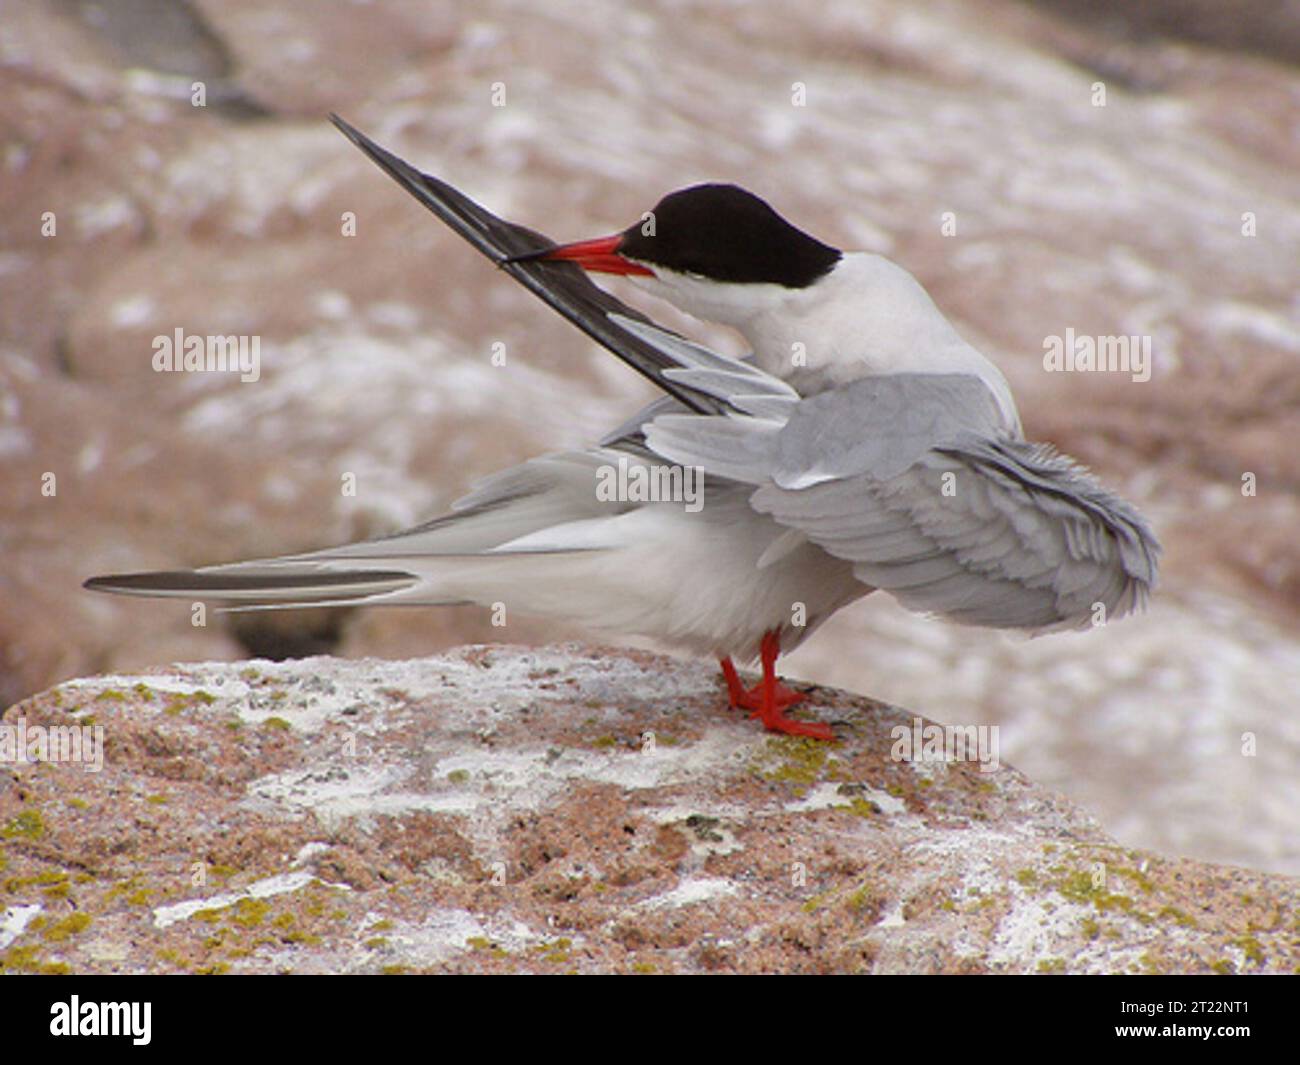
[[867, 316]]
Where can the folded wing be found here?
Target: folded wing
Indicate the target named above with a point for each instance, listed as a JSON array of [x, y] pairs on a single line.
[[914, 479]]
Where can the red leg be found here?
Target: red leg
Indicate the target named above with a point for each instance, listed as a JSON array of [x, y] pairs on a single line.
[[735, 690], [770, 698], [770, 712]]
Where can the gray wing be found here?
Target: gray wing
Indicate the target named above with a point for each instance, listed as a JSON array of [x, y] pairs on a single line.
[[916, 481], [628, 433]]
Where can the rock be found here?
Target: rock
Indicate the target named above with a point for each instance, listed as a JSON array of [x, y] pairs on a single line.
[[565, 809]]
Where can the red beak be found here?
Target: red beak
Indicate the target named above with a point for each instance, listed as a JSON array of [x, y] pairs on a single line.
[[599, 255]]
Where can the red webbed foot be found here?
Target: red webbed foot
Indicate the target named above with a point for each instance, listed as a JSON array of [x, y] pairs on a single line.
[[778, 722], [742, 698], [769, 699]]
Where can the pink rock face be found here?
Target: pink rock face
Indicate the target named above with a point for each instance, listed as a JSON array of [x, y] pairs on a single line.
[[967, 142], [562, 810]]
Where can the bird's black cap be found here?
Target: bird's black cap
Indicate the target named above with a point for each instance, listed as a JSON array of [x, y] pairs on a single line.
[[724, 233]]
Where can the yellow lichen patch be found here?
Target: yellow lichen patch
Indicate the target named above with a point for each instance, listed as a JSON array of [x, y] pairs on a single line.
[[1251, 947], [27, 959], [51, 878], [557, 951], [27, 825], [481, 945], [172, 957], [1080, 887], [863, 898], [249, 913], [1174, 913], [861, 807], [817, 902], [797, 760], [315, 904], [67, 927], [121, 888]]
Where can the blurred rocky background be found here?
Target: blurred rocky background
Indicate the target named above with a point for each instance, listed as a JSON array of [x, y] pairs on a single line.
[[1108, 171]]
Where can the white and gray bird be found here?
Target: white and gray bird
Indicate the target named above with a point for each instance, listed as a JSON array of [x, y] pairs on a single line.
[[863, 446]]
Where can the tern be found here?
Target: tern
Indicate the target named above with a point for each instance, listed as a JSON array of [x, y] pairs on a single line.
[[862, 446]]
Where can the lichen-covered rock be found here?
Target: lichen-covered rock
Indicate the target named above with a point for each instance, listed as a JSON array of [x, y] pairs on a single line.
[[567, 809]]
